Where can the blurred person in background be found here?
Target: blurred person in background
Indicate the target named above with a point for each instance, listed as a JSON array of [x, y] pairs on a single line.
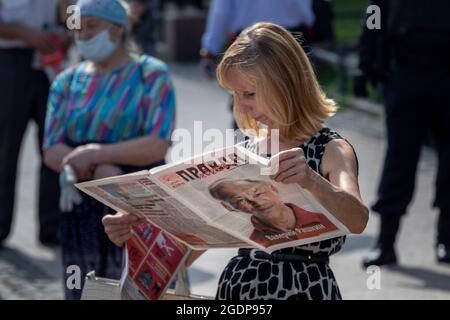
[[111, 114], [409, 55], [182, 4], [227, 18], [31, 51], [143, 14]]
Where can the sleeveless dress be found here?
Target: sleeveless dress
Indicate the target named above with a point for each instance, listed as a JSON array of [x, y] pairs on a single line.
[[247, 279]]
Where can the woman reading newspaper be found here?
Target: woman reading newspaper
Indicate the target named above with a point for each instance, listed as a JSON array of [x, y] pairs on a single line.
[[108, 115], [274, 85]]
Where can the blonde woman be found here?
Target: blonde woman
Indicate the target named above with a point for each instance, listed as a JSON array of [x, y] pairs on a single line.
[[273, 84]]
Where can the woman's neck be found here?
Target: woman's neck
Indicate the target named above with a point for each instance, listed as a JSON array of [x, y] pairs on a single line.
[[120, 57], [283, 144]]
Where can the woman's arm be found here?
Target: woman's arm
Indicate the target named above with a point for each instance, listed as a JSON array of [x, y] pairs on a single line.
[[53, 156], [136, 152], [34, 38], [340, 193]]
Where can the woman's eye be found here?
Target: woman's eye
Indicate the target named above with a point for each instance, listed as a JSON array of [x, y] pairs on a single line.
[[249, 94]]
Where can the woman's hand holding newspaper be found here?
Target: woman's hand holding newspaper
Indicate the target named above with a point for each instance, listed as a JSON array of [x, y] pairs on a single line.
[[118, 227], [290, 166]]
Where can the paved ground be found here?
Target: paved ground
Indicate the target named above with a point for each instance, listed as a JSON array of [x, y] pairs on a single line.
[[29, 271]]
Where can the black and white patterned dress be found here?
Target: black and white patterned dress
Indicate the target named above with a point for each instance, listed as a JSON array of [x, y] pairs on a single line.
[[247, 279]]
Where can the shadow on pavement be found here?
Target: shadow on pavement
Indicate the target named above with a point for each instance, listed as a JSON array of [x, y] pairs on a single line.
[[24, 266], [429, 279], [198, 276], [25, 277], [357, 243]]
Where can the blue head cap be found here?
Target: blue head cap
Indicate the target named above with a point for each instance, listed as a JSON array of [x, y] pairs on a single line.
[[111, 10]]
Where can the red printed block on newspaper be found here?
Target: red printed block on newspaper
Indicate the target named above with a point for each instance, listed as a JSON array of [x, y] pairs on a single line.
[[136, 254], [168, 252], [146, 232]]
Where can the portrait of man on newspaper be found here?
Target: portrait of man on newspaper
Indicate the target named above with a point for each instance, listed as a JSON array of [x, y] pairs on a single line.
[[273, 220]]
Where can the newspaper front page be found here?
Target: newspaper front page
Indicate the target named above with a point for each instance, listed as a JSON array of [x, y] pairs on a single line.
[[220, 200]]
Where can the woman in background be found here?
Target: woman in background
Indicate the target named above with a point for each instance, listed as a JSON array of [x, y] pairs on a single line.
[[111, 114]]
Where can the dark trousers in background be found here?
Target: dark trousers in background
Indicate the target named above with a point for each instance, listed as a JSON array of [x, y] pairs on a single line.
[[417, 103], [24, 93], [85, 244]]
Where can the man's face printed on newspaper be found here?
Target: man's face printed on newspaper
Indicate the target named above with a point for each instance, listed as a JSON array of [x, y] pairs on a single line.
[[258, 198]]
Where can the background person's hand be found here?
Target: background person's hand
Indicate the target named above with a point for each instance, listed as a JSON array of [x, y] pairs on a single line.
[[209, 63], [83, 160], [137, 11], [106, 170], [292, 168], [39, 40], [209, 68], [118, 227], [360, 86]]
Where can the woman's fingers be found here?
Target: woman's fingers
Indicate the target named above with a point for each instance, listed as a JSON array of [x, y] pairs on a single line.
[[119, 218], [122, 239], [117, 227], [286, 165], [119, 238], [280, 177], [285, 158], [106, 170]]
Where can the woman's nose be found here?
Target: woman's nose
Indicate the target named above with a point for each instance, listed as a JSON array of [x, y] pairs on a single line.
[[246, 108]]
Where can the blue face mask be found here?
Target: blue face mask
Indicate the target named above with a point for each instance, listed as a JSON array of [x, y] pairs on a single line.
[[97, 48]]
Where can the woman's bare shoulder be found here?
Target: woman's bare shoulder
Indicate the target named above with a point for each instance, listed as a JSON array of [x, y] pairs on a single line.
[[339, 154]]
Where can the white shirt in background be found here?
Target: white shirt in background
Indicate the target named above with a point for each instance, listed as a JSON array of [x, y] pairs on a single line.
[[30, 13], [227, 16]]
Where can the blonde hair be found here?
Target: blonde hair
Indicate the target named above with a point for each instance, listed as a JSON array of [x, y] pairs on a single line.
[[286, 85]]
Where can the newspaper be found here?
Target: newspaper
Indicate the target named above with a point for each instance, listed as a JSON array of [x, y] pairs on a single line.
[[220, 199], [152, 258]]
